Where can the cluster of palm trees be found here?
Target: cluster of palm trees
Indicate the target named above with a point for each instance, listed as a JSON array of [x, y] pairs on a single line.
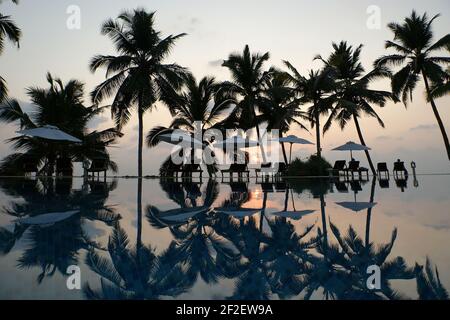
[[138, 77]]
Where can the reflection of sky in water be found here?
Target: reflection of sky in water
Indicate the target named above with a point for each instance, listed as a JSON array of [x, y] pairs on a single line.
[[420, 214]]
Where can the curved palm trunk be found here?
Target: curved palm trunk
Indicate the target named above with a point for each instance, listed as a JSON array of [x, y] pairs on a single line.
[[284, 150], [436, 114], [263, 212], [369, 211], [361, 139], [319, 147]]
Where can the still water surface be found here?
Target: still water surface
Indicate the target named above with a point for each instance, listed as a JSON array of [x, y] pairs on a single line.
[[295, 239]]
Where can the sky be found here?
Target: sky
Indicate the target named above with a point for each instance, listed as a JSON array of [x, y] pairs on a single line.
[[294, 30]]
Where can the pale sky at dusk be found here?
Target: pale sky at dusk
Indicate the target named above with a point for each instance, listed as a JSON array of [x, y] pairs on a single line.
[[294, 30]]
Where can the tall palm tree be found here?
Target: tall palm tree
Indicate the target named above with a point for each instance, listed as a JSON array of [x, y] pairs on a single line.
[[315, 90], [60, 105], [413, 43], [279, 107], [138, 76], [248, 82], [197, 102], [8, 29], [352, 97]]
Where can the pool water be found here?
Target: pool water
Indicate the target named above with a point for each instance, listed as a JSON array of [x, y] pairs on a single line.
[[159, 239]]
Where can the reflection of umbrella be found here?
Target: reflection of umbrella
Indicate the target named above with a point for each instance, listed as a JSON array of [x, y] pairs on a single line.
[[47, 219], [237, 142], [238, 212], [181, 214], [357, 206], [295, 215], [351, 146], [49, 133], [293, 140], [181, 138]]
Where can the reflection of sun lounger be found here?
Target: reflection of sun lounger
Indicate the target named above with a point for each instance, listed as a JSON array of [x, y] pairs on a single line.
[[382, 168]]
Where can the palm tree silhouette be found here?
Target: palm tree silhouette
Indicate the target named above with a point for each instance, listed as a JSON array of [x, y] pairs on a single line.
[[198, 102], [279, 108], [59, 105], [8, 29], [137, 77], [248, 82], [359, 256], [429, 286], [56, 246], [134, 273], [314, 89], [352, 94], [413, 43], [286, 253]]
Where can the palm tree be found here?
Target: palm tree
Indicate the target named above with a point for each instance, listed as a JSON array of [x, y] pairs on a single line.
[[197, 102], [8, 29], [352, 94], [315, 90], [248, 82], [60, 105], [279, 108], [137, 77], [134, 273], [359, 256], [413, 43], [429, 286]]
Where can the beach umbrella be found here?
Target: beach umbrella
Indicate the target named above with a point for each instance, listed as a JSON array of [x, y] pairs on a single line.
[[47, 219], [238, 212], [183, 139], [293, 140], [180, 215], [351, 146], [295, 215], [357, 206], [49, 133]]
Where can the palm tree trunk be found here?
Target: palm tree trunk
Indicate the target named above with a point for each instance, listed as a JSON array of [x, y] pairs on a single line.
[[319, 148], [436, 114], [139, 215], [141, 140], [263, 153], [369, 211], [361, 139], [284, 150]]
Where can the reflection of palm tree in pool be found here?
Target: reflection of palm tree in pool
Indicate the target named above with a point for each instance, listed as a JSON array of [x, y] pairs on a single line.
[[134, 273], [54, 246]]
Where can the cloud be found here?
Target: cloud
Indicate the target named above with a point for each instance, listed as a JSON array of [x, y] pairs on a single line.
[[424, 127], [386, 138], [215, 63]]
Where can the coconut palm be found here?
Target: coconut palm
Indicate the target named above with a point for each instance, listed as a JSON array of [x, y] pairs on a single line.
[[359, 256], [248, 83], [429, 286], [315, 90], [133, 273], [352, 97], [60, 105], [279, 108], [413, 41], [286, 253], [138, 76], [8, 29], [199, 102]]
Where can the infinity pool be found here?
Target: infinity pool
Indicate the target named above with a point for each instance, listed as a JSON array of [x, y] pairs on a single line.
[[294, 239]]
